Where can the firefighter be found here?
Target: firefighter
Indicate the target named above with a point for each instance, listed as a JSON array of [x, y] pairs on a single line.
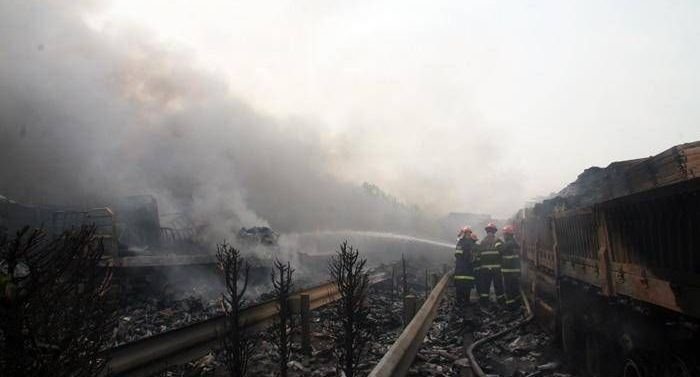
[[8, 290], [510, 253], [475, 264], [490, 266], [464, 275]]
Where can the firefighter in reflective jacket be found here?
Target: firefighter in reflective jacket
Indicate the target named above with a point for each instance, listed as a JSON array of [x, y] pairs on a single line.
[[464, 273], [489, 256], [510, 253]]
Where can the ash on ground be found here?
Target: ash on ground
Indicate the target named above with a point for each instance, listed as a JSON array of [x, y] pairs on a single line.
[[528, 351], [148, 316], [386, 315], [442, 352], [155, 306]]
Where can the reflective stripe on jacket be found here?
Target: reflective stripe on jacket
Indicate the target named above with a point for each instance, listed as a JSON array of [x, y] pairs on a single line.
[[490, 253], [463, 257], [510, 253]]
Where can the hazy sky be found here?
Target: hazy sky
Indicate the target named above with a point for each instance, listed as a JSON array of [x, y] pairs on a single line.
[[453, 105]]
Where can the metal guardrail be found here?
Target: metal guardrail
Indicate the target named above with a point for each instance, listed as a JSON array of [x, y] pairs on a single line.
[[164, 260], [156, 353], [399, 358]]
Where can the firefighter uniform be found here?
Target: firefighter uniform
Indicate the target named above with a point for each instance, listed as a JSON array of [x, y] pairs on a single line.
[[464, 272], [490, 268], [477, 269], [510, 254]]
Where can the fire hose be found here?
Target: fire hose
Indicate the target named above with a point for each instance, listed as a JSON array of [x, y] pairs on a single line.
[[470, 350]]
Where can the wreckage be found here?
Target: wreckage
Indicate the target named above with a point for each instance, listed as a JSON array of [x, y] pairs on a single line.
[[131, 230], [258, 235], [612, 267]]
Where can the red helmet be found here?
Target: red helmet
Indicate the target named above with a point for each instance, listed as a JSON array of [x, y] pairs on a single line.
[[491, 227], [508, 229], [466, 229]]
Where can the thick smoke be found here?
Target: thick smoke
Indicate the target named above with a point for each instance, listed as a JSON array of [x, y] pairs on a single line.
[[87, 117]]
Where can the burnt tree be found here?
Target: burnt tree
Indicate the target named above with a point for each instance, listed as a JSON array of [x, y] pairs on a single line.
[[56, 310], [236, 344], [352, 329], [282, 286]]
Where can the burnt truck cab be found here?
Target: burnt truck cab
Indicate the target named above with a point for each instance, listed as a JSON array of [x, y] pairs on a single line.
[[137, 223]]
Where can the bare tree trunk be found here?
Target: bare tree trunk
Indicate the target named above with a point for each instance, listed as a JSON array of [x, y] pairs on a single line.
[[56, 314], [282, 285], [237, 345], [353, 329]]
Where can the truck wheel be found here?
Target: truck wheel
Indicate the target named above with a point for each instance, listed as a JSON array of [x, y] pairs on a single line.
[[571, 339], [633, 368], [593, 355], [568, 334], [675, 367]]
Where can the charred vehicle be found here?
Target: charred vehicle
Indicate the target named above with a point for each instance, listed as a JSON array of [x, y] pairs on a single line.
[[258, 235], [612, 264], [128, 226]]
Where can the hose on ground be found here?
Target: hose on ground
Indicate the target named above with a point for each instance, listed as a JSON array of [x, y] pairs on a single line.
[[472, 347]]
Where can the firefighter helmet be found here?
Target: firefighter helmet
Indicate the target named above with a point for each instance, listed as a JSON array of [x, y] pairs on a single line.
[[475, 237], [491, 227], [508, 229], [466, 229]]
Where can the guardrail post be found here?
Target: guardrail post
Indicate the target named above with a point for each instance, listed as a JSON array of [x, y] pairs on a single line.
[[294, 304], [403, 277], [305, 325], [409, 308], [393, 280], [427, 284], [398, 359]]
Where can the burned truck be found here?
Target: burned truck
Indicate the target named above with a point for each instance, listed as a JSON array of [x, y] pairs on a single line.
[[128, 226], [611, 264]]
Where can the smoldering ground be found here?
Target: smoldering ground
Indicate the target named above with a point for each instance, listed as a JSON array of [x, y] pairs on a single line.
[[86, 117]]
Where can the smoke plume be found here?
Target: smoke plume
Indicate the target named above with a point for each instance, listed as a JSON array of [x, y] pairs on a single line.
[[86, 117]]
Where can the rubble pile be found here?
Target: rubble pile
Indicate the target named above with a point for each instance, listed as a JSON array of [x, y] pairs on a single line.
[[386, 317], [145, 317], [159, 308], [528, 351], [441, 353]]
